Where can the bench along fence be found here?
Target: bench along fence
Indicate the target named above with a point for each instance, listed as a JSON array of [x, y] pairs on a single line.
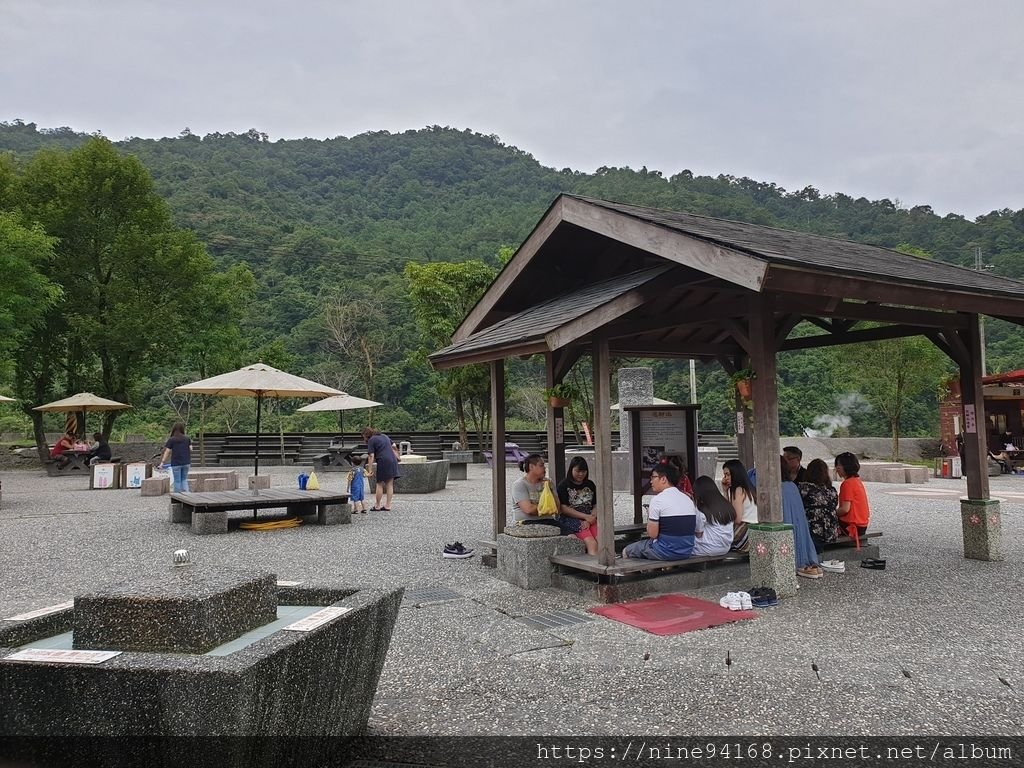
[[237, 449]]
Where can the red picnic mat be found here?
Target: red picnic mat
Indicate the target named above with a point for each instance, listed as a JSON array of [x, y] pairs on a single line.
[[671, 614]]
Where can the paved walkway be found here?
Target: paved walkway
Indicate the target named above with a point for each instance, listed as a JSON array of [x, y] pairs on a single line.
[[917, 649]]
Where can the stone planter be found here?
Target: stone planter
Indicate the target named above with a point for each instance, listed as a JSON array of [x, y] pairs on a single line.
[[426, 477], [289, 697]]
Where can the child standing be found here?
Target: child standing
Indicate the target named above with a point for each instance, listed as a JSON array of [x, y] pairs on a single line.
[[355, 485]]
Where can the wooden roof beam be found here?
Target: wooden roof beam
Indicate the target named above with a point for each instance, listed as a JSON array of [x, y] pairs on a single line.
[[788, 280], [872, 311], [851, 337], [732, 266]]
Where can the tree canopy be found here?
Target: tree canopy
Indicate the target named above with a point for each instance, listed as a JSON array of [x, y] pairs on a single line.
[[230, 247]]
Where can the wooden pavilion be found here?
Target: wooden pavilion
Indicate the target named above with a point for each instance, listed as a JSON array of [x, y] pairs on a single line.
[[602, 278]]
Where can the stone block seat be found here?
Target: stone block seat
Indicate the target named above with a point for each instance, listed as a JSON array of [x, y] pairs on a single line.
[[194, 666], [420, 477]]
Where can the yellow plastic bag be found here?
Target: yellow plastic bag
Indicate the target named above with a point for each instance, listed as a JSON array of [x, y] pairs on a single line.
[[546, 506], [312, 484]]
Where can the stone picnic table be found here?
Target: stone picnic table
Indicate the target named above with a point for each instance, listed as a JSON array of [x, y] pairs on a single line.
[[208, 512]]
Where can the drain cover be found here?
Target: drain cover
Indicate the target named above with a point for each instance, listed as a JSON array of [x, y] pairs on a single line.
[[555, 619], [431, 594]]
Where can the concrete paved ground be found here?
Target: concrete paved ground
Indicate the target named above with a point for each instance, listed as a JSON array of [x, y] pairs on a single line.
[[917, 649]]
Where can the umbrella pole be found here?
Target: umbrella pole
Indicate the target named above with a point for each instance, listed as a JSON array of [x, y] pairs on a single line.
[[259, 407]]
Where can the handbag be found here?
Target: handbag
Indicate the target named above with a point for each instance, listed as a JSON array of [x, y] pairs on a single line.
[[546, 506]]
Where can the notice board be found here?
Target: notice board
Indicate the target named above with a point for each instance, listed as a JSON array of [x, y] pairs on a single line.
[[659, 432]]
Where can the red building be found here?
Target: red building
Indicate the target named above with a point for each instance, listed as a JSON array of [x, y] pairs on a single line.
[[1004, 401]]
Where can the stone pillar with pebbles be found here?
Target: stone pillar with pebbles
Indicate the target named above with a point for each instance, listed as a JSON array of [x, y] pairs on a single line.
[[636, 387], [983, 529]]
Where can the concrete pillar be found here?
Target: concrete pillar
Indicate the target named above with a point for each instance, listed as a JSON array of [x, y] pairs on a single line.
[[636, 387]]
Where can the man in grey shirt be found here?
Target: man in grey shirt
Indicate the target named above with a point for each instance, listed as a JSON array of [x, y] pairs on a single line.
[[527, 489]]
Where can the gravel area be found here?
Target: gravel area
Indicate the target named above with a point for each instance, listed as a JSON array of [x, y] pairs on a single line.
[[916, 649]]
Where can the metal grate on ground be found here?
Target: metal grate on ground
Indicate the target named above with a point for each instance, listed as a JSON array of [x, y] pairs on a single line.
[[555, 619], [431, 594]]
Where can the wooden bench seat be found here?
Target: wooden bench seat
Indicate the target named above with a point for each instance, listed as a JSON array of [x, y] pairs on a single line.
[[629, 566], [847, 541]]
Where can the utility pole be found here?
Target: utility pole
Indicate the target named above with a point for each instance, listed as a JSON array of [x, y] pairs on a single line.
[[979, 266]]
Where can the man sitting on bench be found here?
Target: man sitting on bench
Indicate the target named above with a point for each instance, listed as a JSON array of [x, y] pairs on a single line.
[[672, 520]]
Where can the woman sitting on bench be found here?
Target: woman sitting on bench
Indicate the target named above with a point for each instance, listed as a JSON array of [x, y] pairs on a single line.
[[820, 502], [853, 512], [577, 495], [716, 539], [737, 489]]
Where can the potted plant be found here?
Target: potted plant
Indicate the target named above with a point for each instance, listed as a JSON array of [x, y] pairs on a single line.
[[560, 395], [949, 386], [742, 381]]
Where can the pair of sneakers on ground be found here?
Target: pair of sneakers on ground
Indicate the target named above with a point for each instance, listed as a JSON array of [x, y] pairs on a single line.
[[737, 601], [456, 551]]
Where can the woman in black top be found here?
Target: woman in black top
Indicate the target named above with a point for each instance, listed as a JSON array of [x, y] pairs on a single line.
[[178, 453], [577, 496], [820, 501]]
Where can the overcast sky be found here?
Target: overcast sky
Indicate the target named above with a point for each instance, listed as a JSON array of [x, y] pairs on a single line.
[[919, 101]]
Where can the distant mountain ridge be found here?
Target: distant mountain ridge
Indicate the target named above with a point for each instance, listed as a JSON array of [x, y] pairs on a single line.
[[314, 209]]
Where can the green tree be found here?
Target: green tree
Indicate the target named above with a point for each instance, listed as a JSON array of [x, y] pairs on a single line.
[[891, 374], [130, 279], [442, 294], [25, 293]]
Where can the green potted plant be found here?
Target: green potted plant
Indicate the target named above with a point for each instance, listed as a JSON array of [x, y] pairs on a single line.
[[949, 386], [742, 381], [560, 395]]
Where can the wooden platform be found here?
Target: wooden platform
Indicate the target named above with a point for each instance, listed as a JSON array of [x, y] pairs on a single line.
[[268, 498], [628, 566]]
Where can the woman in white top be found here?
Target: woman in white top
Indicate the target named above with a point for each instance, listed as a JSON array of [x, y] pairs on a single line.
[[736, 488], [716, 538]]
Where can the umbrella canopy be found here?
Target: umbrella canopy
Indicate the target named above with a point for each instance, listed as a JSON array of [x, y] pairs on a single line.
[[83, 401], [258, 381], [340, 403], [6, 399], [655, 401]]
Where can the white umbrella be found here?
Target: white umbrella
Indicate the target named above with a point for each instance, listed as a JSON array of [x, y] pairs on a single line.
[[258, 381], [82, 402], [656, 401], [341, 403], [7, 399]]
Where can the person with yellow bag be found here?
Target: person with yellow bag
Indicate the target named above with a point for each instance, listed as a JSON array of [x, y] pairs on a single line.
[[533, 500]]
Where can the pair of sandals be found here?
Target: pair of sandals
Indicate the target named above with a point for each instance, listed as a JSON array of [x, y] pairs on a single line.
[[873, 563], [380, 509]]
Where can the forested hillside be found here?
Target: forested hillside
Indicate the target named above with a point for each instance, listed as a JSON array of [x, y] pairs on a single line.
[[327, 227]]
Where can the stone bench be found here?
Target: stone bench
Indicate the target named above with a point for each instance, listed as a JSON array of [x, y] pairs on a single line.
[[425, 477], [457, 463], [524, 555]]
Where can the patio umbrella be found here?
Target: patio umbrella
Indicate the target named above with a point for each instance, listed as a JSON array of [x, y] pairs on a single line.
[[6, 399], [340, 403], [258, 381], [82, 402]]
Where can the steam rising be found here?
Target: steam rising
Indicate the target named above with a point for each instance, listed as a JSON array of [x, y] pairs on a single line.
[[847, 406]]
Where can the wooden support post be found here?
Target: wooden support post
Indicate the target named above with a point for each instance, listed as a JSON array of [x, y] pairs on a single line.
[[500, 511], [975, 421], [556, 425], [766, 407], [603, 451]]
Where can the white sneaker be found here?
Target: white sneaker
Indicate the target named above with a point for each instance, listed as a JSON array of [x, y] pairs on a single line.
[[745, 603], [834, 566], [731, 601]]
